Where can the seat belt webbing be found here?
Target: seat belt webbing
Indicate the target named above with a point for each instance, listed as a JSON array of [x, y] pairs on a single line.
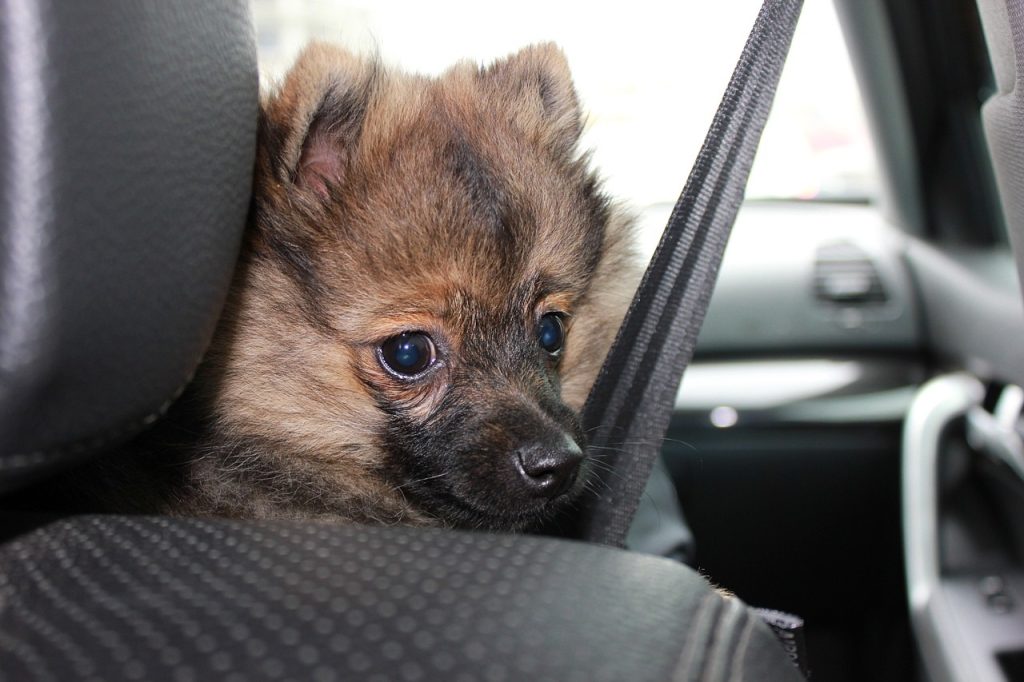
[[628, 410]]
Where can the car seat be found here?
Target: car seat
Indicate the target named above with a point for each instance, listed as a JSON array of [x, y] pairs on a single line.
[[129, 133]]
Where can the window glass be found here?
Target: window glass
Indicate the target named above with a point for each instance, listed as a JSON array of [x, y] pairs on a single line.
[[649, 73]]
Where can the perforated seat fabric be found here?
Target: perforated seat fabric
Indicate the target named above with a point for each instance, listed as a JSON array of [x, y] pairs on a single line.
[[108, 598]]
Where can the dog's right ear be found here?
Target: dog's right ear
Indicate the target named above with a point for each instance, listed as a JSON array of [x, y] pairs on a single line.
[[310, 125]]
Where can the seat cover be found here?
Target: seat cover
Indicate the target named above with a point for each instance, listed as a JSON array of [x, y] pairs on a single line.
[[110, 598]]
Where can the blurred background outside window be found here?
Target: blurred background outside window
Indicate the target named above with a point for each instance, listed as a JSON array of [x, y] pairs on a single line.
[[649, 74]]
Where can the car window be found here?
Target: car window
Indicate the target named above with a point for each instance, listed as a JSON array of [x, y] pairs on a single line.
[[649, 74]]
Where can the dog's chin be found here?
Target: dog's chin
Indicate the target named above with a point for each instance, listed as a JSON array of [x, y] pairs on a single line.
[[507, 520], [494, 510]]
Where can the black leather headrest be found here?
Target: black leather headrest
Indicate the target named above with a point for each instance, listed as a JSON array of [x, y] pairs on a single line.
[[128, 135]]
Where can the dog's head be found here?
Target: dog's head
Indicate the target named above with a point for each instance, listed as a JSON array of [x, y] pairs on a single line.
[[431, 283]]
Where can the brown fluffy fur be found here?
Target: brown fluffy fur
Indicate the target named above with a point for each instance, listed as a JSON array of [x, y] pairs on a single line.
[[386, 202]]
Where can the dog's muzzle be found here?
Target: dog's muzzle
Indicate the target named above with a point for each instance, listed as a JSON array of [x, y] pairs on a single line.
[[547, 472]]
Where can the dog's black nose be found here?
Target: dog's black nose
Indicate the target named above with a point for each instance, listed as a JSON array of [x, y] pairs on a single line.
[[549, 472]]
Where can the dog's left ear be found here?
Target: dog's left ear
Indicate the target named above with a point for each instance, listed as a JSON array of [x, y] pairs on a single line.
[[534, 85]]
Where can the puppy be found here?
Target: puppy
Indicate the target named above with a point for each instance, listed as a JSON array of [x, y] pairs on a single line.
[[428, 287]]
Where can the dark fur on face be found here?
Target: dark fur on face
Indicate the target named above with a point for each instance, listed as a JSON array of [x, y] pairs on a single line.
[[387, 203]]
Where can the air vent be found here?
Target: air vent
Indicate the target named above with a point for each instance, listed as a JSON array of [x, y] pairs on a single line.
[[844, 274]]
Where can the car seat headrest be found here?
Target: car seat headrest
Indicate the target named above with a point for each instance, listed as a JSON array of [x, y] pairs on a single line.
[[125, 172]]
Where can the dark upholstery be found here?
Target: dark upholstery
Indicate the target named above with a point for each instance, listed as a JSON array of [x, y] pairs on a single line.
[[111, 598], [128, 135]]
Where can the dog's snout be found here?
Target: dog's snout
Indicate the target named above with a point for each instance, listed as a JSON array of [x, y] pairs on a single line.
[[549, 472]]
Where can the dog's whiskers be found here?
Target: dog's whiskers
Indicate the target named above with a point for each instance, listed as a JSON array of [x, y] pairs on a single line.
[[419, 480]]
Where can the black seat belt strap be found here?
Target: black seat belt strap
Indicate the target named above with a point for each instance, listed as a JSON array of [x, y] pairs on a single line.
[[629, 407]]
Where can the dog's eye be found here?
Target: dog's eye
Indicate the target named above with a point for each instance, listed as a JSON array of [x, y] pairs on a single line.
[[551, 333], [407, 354]]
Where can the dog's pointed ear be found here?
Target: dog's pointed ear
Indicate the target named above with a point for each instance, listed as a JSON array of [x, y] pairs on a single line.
[[535, 86], [311, 123]]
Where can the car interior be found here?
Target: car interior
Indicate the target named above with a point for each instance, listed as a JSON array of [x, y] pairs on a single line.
[[845, 446]]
